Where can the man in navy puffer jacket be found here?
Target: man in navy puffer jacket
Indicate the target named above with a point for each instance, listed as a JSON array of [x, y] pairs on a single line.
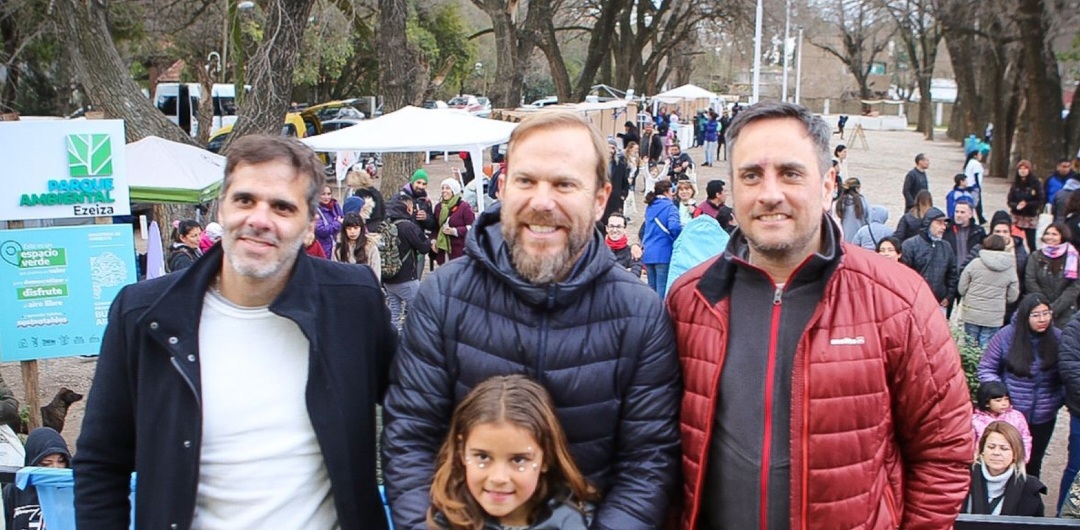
[[539, 293]]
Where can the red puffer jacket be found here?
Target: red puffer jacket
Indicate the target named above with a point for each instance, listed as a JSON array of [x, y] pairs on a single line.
[[880, 412]]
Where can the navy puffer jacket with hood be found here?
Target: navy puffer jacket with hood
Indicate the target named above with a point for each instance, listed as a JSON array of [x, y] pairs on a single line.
[[21, 508], [599, 341]]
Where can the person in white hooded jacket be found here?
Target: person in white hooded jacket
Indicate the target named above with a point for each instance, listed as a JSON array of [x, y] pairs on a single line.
[[986, 285]]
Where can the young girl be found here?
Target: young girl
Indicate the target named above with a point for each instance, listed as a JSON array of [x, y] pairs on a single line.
[[992, 405], [505, 464]]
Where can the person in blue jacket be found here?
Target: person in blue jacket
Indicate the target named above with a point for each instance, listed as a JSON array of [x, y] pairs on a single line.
[[700, 239], [660, 229]]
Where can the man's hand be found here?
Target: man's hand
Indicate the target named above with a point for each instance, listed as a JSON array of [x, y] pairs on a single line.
[[421, 215], [944, 302]]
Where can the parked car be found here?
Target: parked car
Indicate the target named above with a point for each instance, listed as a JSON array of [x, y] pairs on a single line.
[[333, 110], [466, 102], [543, 102], [485, 107], [435, 104], [297, 125], [338, 124]]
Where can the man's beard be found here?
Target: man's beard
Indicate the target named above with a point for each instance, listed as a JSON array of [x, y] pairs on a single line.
[[541, 270]]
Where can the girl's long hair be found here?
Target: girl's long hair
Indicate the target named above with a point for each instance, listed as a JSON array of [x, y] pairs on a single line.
[[359, 253], [923, 202], [1020, 356], [518, 401], [851, 196]]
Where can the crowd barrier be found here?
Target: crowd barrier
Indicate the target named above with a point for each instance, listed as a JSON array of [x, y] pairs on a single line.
[[56, 493]]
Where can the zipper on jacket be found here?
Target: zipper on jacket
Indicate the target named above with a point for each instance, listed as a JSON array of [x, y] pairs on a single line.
[[770, 369], [541, 350]]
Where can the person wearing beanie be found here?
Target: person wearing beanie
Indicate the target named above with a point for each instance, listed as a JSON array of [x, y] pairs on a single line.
[[44, 448], [932, 258], [423, 210], [352, 205], [1026, 200], [454, 218]]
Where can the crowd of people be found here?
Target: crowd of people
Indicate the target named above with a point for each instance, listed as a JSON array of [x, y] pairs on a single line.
[[795, 366]]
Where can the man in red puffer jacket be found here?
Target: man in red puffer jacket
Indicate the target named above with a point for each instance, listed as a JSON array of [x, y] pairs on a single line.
[[833, 397]]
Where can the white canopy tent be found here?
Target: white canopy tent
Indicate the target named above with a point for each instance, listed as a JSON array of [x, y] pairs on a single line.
[[161, 170], [688, 91], [413, 129]]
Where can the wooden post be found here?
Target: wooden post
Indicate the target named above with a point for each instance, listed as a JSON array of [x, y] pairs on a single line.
[[30, 381], [30, 373]]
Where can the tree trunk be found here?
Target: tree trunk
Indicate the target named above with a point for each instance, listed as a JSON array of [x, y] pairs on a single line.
[[600, 45], [205, 115], [401, 82], [1004, 111], [926, 108], [1042, 85], [102, 73], [509, 75], [270, 70], [549, 44]]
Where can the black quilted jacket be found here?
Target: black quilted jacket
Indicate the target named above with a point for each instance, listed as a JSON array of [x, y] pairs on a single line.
[[600, 342]]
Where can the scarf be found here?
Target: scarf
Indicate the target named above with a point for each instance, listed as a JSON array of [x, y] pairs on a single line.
[[616, 246], [995, 488], [442, 241], [1072, 257]]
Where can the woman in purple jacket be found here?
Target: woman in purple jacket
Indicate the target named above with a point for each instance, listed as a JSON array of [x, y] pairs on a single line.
[[328, 220], [1024, 356]]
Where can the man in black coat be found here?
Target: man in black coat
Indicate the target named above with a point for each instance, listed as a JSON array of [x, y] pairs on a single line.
[[652, 145], [932, 258], [620, 185], [539, 293], [243, 388], [916, 180]]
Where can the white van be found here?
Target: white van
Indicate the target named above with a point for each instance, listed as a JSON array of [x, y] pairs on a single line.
[[180, 103]]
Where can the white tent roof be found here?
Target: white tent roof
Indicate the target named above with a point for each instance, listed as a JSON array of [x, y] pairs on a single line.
[[161, 170], [687, 91], [413, 129]]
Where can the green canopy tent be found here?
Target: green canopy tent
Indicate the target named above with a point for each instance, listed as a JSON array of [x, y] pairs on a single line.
[[163, 171]]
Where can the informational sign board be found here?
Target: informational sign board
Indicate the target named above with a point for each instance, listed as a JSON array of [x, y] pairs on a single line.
[[56, 286], [63, 168]]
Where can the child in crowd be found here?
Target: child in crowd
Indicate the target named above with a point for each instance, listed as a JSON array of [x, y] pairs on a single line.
[[44, 448], [992, 405], [960, 191], [505, 464]]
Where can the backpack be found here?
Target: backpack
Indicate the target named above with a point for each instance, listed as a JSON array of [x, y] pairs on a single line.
[[390, 248]]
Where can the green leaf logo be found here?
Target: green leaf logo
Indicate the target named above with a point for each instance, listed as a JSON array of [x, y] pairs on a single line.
[[89, 155]]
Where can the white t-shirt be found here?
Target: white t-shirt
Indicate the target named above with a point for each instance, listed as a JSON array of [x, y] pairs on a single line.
[[260, 464]]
